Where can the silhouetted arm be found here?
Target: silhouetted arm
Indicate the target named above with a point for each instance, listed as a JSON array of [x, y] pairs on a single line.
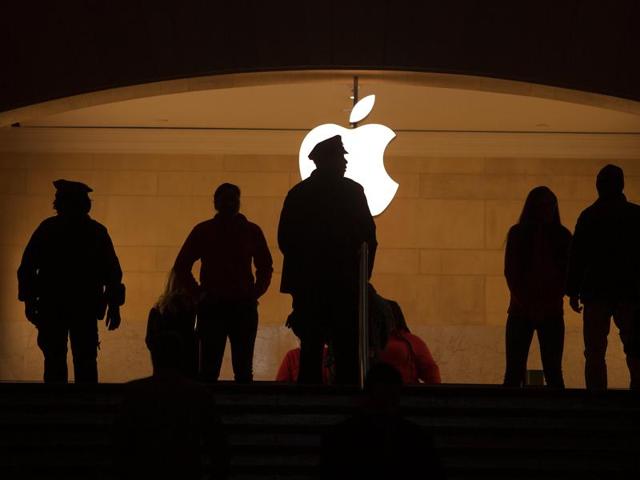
[[368, 227], [111, 278], [263, 263], [114, 289], [28, 275], [371, 241], [190, 252], [286, 227], [291, 243], [28, 270], [426, 366], [577, 259], [153, 324], [513, 266], [563, 260]]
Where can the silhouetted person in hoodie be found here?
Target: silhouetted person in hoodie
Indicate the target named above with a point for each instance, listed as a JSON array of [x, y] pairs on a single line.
[[68, 277], [226, 245], [604, 275], [324, 221], [377, 442]]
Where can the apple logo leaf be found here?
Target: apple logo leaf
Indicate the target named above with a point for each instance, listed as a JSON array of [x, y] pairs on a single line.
[[362, 109], [366, 145]]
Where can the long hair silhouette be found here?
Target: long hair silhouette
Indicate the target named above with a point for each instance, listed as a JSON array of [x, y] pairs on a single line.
[[541, 206]]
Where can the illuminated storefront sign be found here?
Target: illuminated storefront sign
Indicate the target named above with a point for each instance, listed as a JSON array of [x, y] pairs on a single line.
[[366, 146]]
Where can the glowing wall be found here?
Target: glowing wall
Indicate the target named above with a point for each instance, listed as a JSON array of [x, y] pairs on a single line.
[[441, 244]]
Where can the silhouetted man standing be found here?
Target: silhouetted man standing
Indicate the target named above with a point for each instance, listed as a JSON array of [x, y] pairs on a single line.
[[604, 274], [324, 221], [226, 245], [68, 277]]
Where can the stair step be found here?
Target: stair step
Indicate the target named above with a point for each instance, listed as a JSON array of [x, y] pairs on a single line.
[[275, 431]]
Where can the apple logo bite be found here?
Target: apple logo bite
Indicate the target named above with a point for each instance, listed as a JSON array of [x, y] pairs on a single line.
[[365, 160]]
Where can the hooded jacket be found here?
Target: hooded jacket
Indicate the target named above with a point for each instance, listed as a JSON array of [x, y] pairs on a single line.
[[227, 246]]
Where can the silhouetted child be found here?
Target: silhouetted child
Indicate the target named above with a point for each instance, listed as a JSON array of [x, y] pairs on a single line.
[[168, 427], [175, 311], [408, 353], [535, 266], [378, 443]]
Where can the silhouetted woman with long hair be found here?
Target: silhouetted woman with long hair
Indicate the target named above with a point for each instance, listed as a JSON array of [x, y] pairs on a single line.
[[535, 267], [175, 312]]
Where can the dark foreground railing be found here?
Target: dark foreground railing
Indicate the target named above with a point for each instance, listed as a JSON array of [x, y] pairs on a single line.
[[275, 430], [363, 312]]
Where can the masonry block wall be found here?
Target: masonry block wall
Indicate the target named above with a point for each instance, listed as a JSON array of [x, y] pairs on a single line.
[[441, 246]]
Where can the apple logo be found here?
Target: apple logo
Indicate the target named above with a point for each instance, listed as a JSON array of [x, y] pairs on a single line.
[[365, 160]]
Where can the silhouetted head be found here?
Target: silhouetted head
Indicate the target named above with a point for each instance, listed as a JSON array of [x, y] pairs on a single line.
[[540, 207], [166, 351], [610, 181], [72, 198], [328, 156], [179, 296], [382, 387], [399, 324], [226, 199]]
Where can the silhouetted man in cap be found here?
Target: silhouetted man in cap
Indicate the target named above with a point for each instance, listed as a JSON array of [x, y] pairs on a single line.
[[68, 278], [226, 245], [604, 275], [324, 221]]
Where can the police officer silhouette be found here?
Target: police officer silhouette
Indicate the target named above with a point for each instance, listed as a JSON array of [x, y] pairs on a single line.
[[69, 278], [323, 223]]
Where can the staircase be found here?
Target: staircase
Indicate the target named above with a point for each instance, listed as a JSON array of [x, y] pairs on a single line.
[[62, 432]]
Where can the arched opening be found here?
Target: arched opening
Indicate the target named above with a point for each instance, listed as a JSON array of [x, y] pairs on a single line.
[[467, 152]]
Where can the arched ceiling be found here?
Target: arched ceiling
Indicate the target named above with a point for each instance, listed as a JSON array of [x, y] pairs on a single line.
[[301, 106], [63, 49]]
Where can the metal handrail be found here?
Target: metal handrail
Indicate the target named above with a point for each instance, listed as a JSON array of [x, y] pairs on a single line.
[[363, 313]]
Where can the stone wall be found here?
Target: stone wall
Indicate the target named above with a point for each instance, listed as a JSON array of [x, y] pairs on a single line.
[[440, 243]]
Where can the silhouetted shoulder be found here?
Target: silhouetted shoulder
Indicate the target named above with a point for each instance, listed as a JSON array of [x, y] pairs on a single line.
[[634, 208], [254, 228], [98, 227], [344, 183], [514, 231], [352, 184], [203, 225], [49, 223], [588, 212]]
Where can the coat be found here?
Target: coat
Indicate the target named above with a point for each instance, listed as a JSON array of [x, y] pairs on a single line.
[[70, 260], [604, 264], [226, 247], [323, 224]]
